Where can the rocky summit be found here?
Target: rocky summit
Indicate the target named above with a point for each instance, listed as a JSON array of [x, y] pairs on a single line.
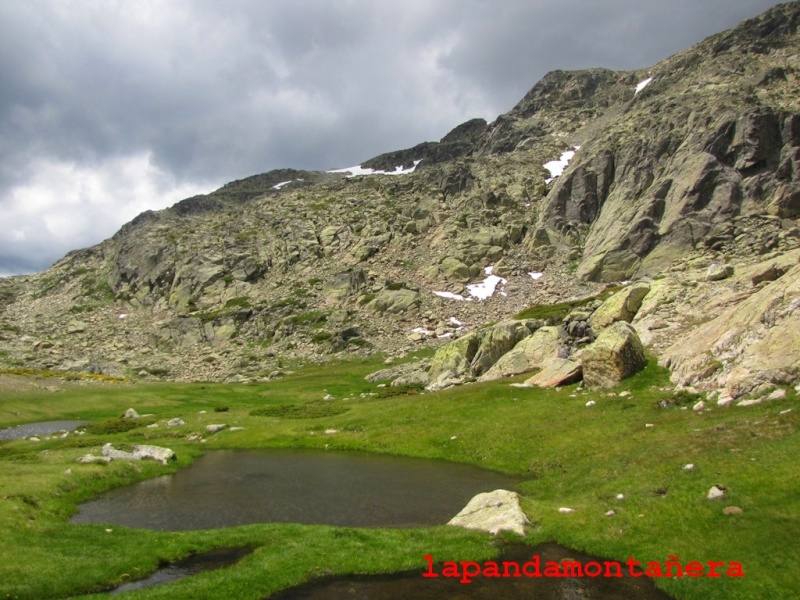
[[667, 198]]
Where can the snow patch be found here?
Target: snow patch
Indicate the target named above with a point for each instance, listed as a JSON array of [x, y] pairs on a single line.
[[278, 186], [452, 296], [642, 84], [359, 170], [536, 276], [456, 322], [487, 287], [421, 330], [449, 334], [556, 167], [483, 290]]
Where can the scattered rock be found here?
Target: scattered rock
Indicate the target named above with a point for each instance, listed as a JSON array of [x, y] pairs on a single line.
[[493, 512], [176, 422], [732, 510], [620, 496], [566, 510], [590, 403], [131, 414], [610, 513], [140, 452], [688, 467], [699, 406], [76, 327], [87, 459], [215, 428], [718, 272], [715, 493], [777, 395]]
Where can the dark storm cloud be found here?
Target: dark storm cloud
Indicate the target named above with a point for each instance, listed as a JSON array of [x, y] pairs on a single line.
[[108, 108]]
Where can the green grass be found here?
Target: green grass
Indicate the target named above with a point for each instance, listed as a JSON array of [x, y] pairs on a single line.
[[566, 453]]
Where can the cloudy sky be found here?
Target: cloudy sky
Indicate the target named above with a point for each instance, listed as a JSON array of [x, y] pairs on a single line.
[[109, 108]]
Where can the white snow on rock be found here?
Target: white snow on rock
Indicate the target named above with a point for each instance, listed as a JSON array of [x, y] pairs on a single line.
[[556, 167], [481, 291], [487, 287], [278, 186], [421, 330], [536, 276], [452, 296], [359, 170], [642, 84], [456, 322]]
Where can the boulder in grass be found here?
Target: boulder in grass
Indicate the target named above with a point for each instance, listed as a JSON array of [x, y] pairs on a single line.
[[140, 452], [493, 512], [616, 354]]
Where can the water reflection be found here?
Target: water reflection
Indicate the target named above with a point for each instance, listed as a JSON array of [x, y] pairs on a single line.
[[42, 428], [411, 584], [225, 488]]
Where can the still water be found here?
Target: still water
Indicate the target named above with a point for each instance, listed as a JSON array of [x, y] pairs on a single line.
[[412, 585], [43, 428], [226, 488]]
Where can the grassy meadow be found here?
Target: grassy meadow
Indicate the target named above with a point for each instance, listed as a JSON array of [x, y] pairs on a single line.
[[568, 454]]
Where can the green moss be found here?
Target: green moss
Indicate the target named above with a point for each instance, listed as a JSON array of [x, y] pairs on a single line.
[[555, 313], [240, 302]]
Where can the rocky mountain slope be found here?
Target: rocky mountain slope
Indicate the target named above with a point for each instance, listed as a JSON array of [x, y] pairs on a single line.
[[678, 168]]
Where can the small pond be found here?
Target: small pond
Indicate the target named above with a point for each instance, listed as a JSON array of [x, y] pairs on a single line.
[[37, 429], [411, 584], [226, 488], [192, 565]]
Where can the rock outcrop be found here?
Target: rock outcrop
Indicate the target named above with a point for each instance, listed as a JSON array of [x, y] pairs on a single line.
[[700, 167]]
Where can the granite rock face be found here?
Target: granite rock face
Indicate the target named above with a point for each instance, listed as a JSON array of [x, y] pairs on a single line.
[[699, 167]]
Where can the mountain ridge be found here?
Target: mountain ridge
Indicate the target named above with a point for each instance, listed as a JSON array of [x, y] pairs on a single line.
[[699, 166]]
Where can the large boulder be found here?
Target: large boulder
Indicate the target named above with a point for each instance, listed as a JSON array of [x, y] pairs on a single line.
[[476, 353], [493, 512], [395, 301], [558, 371], [530, 354], [497, 341], [454, 269], [616, 354], [344, 284], [622, 306], [451, 363]]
